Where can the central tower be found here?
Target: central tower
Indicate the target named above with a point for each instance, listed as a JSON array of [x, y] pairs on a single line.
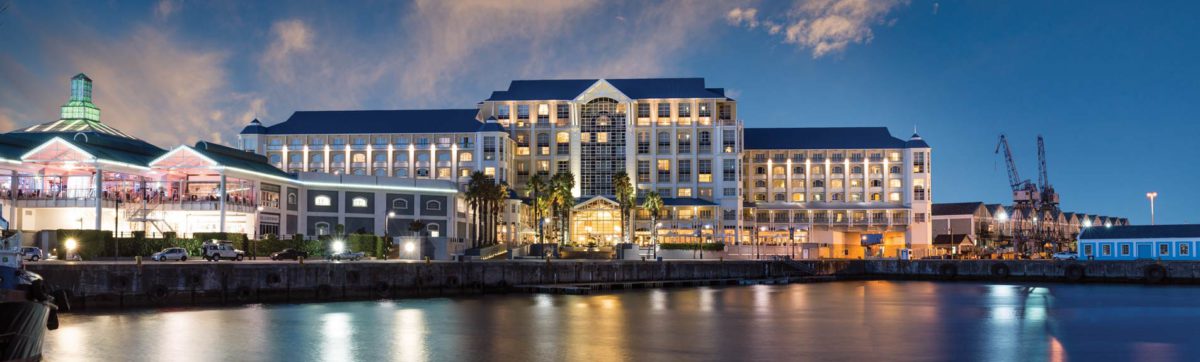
[[602, 145]]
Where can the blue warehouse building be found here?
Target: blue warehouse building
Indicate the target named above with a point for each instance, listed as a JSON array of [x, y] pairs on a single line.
[[1164, 242]]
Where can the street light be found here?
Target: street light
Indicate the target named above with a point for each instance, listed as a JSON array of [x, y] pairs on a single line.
[[1152, 195]]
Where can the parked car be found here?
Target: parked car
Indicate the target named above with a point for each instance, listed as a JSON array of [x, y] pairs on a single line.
[[347, 255], [289, 253], [1065, 255], [178, 254], [31, 253], [221, 250]]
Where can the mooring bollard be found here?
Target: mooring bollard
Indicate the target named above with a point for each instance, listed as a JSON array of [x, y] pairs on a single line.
[[300, 259], [426, 259], [138, 259]]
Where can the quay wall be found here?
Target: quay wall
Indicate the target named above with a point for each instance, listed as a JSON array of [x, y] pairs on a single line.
[[98, 286]]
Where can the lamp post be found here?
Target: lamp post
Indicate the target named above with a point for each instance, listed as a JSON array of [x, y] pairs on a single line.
[[654, 238], [758, 242], [709, 228], [1152, 195]]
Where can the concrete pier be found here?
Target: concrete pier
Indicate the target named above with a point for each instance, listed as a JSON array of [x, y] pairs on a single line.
[[93, 286]]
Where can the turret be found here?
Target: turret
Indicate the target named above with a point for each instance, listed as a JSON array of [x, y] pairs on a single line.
[[80, 107], [251, 136]]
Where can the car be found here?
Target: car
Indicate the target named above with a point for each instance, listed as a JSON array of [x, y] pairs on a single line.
[[178, 254], [31, 253], [289, 253], [217, 250], [347, 255], [1065, 255]]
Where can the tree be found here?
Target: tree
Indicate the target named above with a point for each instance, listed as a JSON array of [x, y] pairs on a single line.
[[416, 226], [474, 194], [540, 202], [625, 198], [497, 193], [561, 185], [654, 205]]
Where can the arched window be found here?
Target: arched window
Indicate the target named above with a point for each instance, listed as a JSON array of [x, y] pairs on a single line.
[[799, 170], [856, 170], [876, 197], [276, 159], [760, 197], [291, 198], [760, 170], [465, 157], [358, 157], [380, 158], [400, 204], [322, 200], [432, 227], [778, 170], [339, 158], [818, 197], [780, 197], [318, 158], [838, 169], [818, 183], [433, 205], [295, 158], [358, 202], [876, 183], [895, 183], [760, 183], [797, 197], [322, 228], [894, 169], [836, 196]]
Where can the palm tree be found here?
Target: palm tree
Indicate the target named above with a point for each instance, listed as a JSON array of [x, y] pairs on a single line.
[[474, 194], [654, 205], [625, 198], [537, 192], [497, 193], [562, 183]]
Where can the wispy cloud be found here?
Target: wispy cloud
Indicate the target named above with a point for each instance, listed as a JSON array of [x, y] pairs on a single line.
[[823, 27], [165, 8]]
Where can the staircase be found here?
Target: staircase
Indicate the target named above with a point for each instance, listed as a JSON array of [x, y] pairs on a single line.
[[148, 214]]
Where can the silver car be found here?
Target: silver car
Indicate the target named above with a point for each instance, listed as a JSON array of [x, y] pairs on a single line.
[[178, 254], [1065, 255], [32, 253]]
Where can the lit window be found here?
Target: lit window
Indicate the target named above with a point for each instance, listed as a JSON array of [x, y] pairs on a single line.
[[1183, 249], [465, 157], [322, 200], [685, 192], [322, 228], [400, 204], [1106, 249], [797, 197], [433, 205], [291, 198], [358, 202]]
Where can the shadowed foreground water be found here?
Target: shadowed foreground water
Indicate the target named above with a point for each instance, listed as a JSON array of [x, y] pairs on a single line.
[[829, 321]]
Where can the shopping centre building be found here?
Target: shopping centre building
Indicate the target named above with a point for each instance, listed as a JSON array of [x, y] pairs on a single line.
[[833, 192]]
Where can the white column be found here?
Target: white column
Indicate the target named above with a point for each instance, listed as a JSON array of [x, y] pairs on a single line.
[[412, 161], [454, 162], [390, 160], [433, 160], [98, 184], [305, 166], [221, 196]]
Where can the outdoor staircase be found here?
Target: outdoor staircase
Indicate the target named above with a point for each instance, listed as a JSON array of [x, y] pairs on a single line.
[[148, 214]]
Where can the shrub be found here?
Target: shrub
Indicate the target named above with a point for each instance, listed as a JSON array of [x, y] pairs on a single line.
[[90, 243]]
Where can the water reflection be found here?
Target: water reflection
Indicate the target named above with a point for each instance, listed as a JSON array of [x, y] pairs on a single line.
[[830, 321]]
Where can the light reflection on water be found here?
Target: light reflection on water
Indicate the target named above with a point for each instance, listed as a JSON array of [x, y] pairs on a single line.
[[829, 321]]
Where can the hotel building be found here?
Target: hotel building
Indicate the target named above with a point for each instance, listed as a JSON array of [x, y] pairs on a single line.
[[832, 192]]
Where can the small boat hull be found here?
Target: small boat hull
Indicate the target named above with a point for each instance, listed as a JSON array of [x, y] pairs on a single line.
[[22, 329]]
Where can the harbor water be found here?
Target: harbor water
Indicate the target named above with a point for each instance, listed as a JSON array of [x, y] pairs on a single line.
[[888, 320]]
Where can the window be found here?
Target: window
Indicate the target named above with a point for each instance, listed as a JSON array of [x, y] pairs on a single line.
[[919, 164], [664, 142], [729, 191], [760, 183], [322, 228], [894, 169], [895, 183], [729, 170], [433, 227], [876, 183], [685, 192], [291, 198], [1183, 249], [798, 170], [894, 197], [760, 170], [780, 197], [704, 169], [322, 200], [919, 217], [502, 110], [705, 142], [818, 183], [563, 110], [729, 141], [523, 111], [544, 109], [643, 143], [1087, 250], [876, 197], [838, 170], [643, 110], [798, 197], [643, 171], [685, 170], [1164, 249], [400, 204], [1124, 250], [433, 205], [1106, 249], [358, 202], [664, 170], [664, 110], [465, 157], [685, 109]]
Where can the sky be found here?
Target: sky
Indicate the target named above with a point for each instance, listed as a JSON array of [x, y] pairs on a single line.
[[1112, 85]]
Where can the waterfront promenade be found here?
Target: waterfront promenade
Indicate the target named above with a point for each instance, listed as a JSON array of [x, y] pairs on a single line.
[[104, 285]]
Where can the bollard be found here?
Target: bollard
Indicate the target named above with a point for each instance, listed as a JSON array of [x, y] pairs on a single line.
[[721, 260], [138, 259], [300, 259], [426, 259]]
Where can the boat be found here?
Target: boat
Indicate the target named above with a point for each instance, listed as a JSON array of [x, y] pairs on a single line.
[[26, 310]]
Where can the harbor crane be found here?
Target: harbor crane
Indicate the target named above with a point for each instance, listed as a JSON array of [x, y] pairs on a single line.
[[1025, 193], [1049, 198]]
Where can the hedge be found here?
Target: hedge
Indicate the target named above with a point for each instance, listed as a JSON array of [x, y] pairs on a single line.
[[89, 243], [692, 246]]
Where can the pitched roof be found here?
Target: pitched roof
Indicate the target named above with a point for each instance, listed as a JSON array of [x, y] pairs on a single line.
[[393, 121], [957, 208], [639, 88], [1141, 232], [820, 138], [232, 157], [951, 239], [101, 145]]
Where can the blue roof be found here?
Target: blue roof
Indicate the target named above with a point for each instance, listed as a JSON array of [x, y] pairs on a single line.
[[491, 126], [255, 127], [395, 121], [820, 138], [1141, 232], [567, 89], [916, 142]]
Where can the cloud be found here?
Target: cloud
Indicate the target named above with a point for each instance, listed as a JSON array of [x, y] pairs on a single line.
[[822, 26], [165, 8], [290, 38]]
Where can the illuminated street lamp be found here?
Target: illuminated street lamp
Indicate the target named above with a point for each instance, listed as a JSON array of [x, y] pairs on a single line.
[[1152, 195]]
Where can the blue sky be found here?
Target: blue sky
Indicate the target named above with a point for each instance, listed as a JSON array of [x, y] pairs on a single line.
[[1112, 85]]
